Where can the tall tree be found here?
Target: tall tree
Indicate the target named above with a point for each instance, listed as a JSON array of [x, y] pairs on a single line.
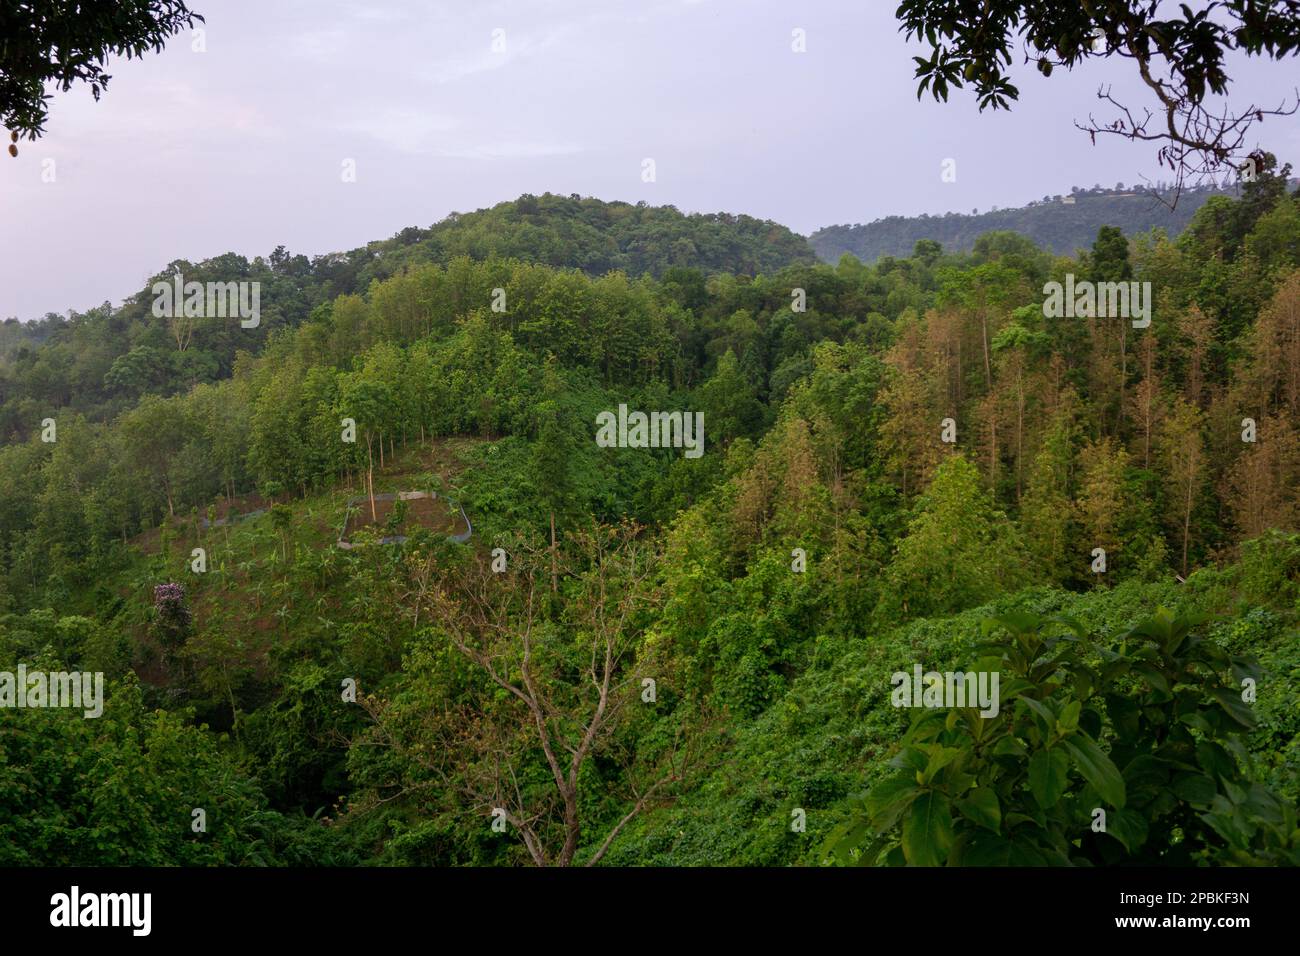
[[370, 404], [959, 549], [1261, 486], [1101, 495], [1046, 513], [1183, 447], [1197, 333], [155, 431], [1146, 402]]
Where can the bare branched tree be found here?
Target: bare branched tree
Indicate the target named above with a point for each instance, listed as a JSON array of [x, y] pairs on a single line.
[[558, 678], [1178, 50], [1199, 137]]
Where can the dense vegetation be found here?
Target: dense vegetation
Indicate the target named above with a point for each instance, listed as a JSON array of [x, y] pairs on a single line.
[[680, 659]]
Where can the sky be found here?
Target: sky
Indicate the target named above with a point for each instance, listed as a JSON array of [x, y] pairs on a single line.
[[239, 140]]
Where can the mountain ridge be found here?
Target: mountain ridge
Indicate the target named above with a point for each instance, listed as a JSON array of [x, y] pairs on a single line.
[[1063, 224]]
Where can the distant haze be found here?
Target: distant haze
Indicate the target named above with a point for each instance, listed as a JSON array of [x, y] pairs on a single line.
[[240, 148]]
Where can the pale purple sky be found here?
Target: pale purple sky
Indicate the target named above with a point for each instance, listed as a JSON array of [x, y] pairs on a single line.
[[240, 148]]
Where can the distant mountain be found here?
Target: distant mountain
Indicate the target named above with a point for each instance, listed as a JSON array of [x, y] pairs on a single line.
[[1062, 224]]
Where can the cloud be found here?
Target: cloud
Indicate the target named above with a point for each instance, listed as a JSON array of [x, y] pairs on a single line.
[[510, 150], [511, 45], [319, 46], [405, 130], [420, 132], [157, 112]]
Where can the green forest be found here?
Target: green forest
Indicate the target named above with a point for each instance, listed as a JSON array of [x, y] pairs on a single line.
[[639, 657]]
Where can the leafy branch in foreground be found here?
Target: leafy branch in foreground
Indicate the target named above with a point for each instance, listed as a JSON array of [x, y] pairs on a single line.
[[63, 42], [1141, 735]]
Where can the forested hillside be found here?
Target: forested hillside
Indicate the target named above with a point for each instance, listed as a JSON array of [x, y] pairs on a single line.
[[1062, 224], [100, 361], [639, 656], [596, 236]]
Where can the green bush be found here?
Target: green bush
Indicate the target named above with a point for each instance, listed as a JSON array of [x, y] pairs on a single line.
[[1148, 729]]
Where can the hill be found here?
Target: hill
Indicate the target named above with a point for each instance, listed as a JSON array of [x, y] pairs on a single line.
[[597, 237], [1061, 224], [88, 360]]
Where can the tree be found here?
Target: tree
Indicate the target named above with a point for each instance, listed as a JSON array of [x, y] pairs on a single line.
[[914, 406], [1179, 58], [1046, 514], [140, 370], [155, 431], [927, 250], [222, 413], [1146, 402], [1018, 347], [1184, 458], [120, 776], [1109, 262], [555, 694], [1260, 487], [553, 456], [282, 522], [1101, 501], [278, 443], [730, 405], [1273, 378], [63, 43], [987, 292], [1197, 332], [959, 549], [370, 404]]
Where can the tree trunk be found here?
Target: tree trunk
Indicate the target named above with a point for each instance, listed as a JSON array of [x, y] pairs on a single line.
[[988, 367], [1020, 432], [1123, 373], [370, 478], [572, 828]]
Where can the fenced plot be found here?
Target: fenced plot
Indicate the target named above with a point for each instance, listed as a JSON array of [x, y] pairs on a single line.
[[424, 509]]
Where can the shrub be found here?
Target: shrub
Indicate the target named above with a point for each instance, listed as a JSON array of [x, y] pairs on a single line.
[[1147, 729]]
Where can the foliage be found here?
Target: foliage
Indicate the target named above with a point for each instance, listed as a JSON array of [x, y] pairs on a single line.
[[65, 44], [1131, 750]]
